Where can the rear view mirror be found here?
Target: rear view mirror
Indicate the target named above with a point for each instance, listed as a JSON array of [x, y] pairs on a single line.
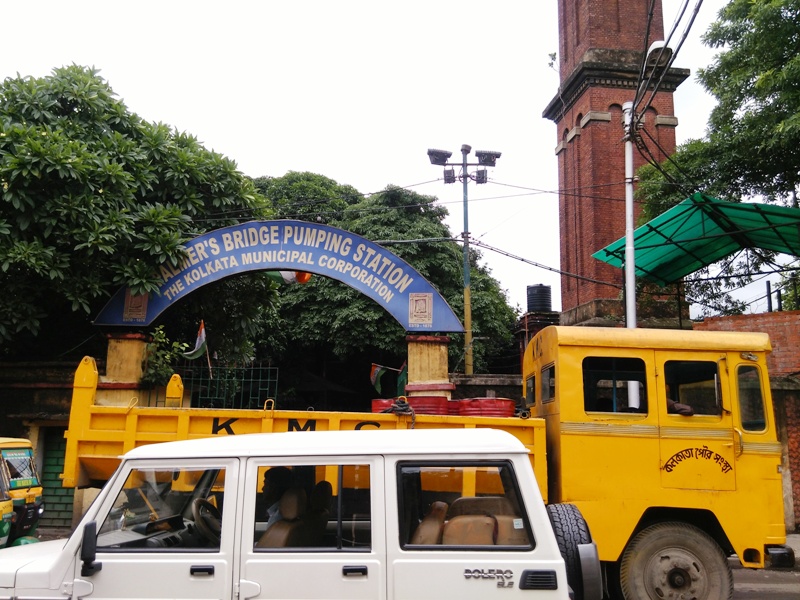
[[89, 550]]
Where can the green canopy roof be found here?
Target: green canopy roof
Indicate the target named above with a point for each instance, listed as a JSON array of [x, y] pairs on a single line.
[[702, 230]]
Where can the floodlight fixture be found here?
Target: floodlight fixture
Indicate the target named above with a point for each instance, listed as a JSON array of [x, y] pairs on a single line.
[[439, 157], [487, 158], [659, 55]]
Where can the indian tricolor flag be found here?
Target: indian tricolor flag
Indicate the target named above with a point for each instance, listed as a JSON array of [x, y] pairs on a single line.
[[375, 374], [289, 276], [200, 344]]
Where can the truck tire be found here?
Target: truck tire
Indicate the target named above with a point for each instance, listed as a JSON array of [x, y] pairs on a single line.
[[674, 560], [571, 530]]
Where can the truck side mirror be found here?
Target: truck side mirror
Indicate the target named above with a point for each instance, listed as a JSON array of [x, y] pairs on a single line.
[[89, 550]]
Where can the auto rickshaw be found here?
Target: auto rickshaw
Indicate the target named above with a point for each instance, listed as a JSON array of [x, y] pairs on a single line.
[[21, 483], [6, 513]]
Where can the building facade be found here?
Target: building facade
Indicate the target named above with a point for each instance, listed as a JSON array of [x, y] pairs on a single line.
[[601, 47]]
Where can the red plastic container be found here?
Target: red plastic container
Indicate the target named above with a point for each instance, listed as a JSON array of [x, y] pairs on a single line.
[[428, 405], [381, 404], [487, 407]]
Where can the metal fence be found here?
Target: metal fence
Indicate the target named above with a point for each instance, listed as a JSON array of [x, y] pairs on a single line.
[[225, 387]]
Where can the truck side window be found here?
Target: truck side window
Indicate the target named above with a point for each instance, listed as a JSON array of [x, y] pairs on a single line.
[[694, 383], [608, 382], [548, 383], [313, 507], [530, 391], [455, 506], [751, 401], [163, 509]]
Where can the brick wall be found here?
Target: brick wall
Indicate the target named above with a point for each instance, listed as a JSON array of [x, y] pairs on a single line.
[[784, 367], [600, 53], [603, 24], [784, 332]]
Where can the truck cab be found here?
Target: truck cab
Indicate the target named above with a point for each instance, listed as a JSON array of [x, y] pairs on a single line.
[[338, 514], [662, 435]]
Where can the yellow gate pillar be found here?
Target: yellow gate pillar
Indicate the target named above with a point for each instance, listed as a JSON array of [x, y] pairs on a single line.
[[124, 358], [427, 366]]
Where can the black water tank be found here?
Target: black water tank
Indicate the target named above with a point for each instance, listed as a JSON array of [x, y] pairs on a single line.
[[539, 298]]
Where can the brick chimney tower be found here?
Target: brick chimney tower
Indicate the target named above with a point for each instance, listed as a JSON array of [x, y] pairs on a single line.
[[601, 45]]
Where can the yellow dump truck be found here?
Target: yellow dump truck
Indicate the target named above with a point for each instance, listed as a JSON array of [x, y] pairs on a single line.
[[665, 440]]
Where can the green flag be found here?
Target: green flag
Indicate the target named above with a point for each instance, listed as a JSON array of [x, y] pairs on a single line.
[[402, 380], [375, 374]]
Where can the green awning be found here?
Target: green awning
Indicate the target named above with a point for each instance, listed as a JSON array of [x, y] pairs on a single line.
[[701, 231]]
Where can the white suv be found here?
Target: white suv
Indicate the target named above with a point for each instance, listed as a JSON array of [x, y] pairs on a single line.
[[372, 515]]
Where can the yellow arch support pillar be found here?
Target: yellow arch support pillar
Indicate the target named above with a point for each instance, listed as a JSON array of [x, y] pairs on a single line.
[[124, 360], [126, 352], [427, 366]]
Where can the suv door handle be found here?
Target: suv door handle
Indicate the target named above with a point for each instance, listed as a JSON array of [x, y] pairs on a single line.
[[201, 570], [354, 570]]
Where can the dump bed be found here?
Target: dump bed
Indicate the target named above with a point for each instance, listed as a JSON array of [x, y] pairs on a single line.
[[98, 435]]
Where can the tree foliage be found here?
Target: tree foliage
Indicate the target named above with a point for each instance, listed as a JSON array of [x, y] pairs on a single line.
[[94, 198], [756, 81], [752, 146], [328, 323]]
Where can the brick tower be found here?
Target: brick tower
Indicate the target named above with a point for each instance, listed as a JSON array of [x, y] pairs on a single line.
[[601, 44]]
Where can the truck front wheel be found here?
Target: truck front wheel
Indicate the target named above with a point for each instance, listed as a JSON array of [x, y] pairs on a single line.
[[674, 560]]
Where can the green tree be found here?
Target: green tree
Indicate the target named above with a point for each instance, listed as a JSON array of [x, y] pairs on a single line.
[[332, 330], [307, 197], [755, 127], [752, 145], [93, 199]]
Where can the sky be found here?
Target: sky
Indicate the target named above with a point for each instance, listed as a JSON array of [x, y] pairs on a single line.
[[354, 90]]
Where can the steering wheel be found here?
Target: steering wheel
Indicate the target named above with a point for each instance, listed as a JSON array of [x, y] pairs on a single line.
[[207, 520]]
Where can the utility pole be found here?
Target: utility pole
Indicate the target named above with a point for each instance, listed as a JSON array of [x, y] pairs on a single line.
[[486, 158]]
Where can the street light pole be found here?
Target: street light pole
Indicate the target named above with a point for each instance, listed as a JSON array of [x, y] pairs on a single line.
[[630, 259], [465, 150], [657, 59], [486, 158]]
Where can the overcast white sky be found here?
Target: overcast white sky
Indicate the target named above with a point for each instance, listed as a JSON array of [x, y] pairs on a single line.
[[353, 90]]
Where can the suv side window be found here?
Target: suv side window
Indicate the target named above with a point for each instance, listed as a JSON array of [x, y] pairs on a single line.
[[313, 507], [461, 505], [161, 509]]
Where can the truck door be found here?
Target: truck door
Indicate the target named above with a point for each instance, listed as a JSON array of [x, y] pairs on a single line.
[[314, 528], [695, 421], [167, 531]]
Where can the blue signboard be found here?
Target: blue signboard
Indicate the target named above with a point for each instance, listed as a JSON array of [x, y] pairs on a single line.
[[292, 246]]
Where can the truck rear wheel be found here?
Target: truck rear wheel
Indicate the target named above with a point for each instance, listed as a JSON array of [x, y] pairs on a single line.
[[571, 530], [674, 560]]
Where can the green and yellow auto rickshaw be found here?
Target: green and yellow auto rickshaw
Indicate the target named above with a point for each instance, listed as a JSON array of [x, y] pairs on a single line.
[[22, 485]]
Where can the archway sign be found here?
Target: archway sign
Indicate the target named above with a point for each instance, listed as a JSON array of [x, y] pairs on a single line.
[[292, 246]]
